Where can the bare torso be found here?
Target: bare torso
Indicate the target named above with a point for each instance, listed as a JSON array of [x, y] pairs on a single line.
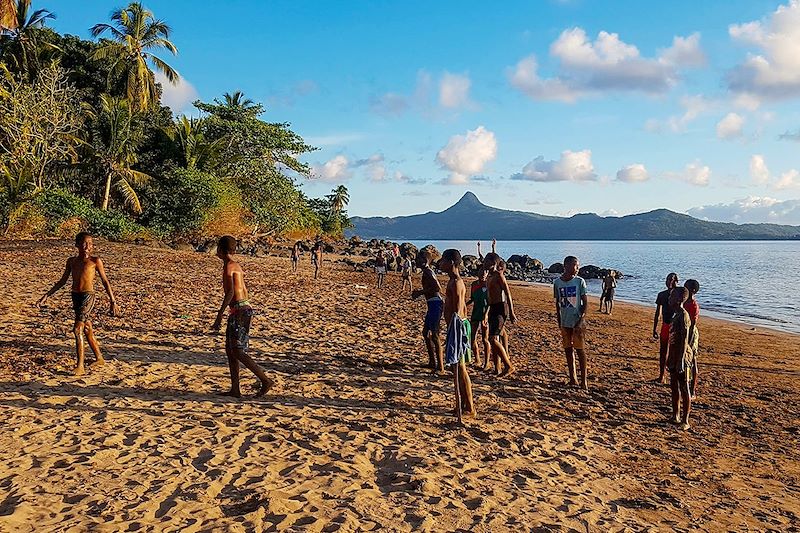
[[430, 285], [83, 272], [233, 279], [494, 287], [456, 299]]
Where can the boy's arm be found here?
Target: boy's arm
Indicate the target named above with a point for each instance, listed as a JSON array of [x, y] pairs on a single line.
[[60, 283], [511, 316], [655, 321], [107, 285], [226, 301]]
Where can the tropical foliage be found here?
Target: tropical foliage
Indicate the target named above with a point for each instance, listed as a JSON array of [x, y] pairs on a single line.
[[86, 143]]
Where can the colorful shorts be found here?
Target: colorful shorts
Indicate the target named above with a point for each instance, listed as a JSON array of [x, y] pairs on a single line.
[[573, 337], [237, 334], [82, 304], [433, 317]]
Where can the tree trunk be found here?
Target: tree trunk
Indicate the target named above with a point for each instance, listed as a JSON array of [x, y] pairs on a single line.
[[107, 192]]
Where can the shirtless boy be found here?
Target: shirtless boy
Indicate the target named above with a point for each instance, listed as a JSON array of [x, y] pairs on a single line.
[[380, 268], [497, 287], [295, 255], [607, 297], [692, 307], [458, 352], [406, 274], [479, 298], [82, 268], [237, 333], [572, 303], [430, 330], [664, 310], [680, 359], [316, 258]]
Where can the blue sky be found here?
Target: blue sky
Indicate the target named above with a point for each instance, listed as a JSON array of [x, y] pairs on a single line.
[[557, 107]]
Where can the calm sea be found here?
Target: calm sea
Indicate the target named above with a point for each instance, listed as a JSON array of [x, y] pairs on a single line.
[[750, 281]]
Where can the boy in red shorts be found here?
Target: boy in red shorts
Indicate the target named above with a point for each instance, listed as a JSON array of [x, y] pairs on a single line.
[[666, 313]]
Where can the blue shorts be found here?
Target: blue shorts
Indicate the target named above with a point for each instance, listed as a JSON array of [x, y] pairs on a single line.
[[237, 334], [433, 317]]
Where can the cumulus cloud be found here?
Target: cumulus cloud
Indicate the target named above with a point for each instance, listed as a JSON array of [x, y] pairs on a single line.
[[467, 155], [788, 180], [178, 97], [759, 172], [693, 106], [605, 64], [635, 173], [373, 166], [694, 174], [334, 170], [408, 180], [731, 126], [774, 70], [751, 210], [454, 90], [571, 166], [451, 93]]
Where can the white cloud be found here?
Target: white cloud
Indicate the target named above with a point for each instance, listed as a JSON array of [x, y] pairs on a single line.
[[374, 167], [605, 64], [408, 180], [745, 101], [635, 173], [467, 155], [773, 72], [694, 173], [693, 106], [609, 213], [758, 170], [334, 170], [334, 139], [571, 166], [454, 90], [788, 180], [751, 210], [731, 126], [178, 97], [390, 104]]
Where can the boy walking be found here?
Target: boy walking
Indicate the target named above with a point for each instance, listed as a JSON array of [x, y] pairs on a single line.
[[433, 317], [316, 258], [680, 358], [458, 352], [479, 298], [497, 291], [83, 268], [240, 315], [569, 292], [607, 298], [295, 255], [665, 311], [380, 268], [406, 274]]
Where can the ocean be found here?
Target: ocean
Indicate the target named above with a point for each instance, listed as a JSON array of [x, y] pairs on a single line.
[[745, 281]]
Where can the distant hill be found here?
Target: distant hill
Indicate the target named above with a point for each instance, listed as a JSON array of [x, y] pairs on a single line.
[[470, 219]]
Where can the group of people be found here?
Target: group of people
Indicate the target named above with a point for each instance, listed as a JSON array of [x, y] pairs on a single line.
[[492, 307], [316, 256], [385, 262]]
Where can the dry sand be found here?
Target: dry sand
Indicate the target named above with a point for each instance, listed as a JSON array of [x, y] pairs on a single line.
[[356, 435]]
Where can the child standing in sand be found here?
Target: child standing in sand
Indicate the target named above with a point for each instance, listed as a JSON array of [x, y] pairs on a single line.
[[572, 303], [316, 258], [295, 255], [665, 311], [607, 297], [692, 307], [433, 317], [457, 351], [380, 267], [406, 274], [83, 268], [240, 315], [680, 357], [479, 298], [498, 295]]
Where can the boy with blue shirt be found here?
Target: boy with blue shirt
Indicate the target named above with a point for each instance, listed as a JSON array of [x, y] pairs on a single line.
[[569, 292]]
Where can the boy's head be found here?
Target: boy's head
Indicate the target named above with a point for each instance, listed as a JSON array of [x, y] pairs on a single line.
[[450, 261], [571, 265], [501, 266], [482, 273], [226, 246], [672, 280], [693, 286], [424, 258], [83, 241], [491, 261], [678, 296]]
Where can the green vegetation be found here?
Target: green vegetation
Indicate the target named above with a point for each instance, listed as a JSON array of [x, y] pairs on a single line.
[[86, 144]]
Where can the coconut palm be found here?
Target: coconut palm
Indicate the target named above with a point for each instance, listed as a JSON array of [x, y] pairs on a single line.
[[114, 143], [198, 152], [238, 101], [339, 198], [20, 44], [134, 33]]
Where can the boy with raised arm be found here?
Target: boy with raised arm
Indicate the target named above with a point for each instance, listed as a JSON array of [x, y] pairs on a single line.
[[83, 268], [665, 311], [237, 333], [433, 317], [572, 303], [497, 288], [680, 358], [457, 348]]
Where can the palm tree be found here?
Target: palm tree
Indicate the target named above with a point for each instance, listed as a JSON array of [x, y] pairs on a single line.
[[339, 198], [22, 33], [115, 141], [134, 33], [238, 101], [198, 152]]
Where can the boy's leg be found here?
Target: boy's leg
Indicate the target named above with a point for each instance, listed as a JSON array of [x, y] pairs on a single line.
[[487, 348], [93, 344], [662, 360], [582, 360], [571, 371], [474, 339], [77, 329], [437, 350], [675, 390], [246, 360], [426, 335], [500, 352], [465, 384], [233, 365], [504, 336], [686, 401]]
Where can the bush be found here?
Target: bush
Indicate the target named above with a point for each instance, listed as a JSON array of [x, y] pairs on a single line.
[[61, 210], [181, 202]]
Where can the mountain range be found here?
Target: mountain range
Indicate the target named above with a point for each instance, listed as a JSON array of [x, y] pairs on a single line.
[[471, 219]]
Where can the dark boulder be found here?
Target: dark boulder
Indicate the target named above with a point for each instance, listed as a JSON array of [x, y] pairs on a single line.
[[435, 254], [556, 268]]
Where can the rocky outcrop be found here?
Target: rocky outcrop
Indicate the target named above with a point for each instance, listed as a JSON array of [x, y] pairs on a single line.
[[556, 268]]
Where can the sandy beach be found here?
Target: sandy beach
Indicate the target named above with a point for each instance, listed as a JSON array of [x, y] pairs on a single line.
[[357, 435]]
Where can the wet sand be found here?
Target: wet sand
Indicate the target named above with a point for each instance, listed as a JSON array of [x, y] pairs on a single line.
[[356, 435]]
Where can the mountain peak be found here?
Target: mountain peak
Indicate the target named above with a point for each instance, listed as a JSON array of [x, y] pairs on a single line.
[[469, 200]]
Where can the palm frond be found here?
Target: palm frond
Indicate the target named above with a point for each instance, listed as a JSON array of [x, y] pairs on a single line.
[[170, 73], [129, 196]]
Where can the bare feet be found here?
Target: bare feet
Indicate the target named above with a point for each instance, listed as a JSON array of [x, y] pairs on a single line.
[[79, 371], [265, 387], [98, 362], [471, 414], [674, 419], [684, 426], [585, 386], [507, 372], [231, 394]]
